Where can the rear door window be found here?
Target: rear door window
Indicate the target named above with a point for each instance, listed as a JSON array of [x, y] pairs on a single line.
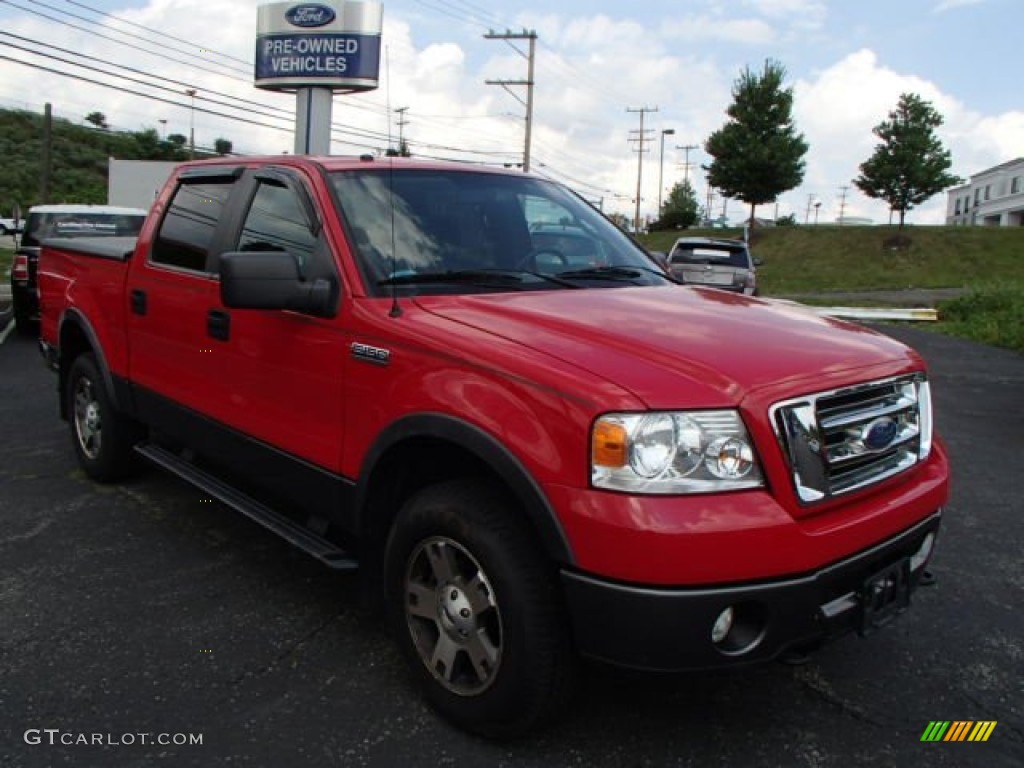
[[188, 228]]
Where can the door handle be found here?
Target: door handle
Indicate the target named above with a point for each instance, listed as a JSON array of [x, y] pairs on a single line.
[[138, 300], [218, 324]]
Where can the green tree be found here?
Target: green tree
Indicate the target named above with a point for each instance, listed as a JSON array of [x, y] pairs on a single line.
[[98, 119], [222, 147], [757, 154], [910, 164], [402, 151], [680, 209], [178, 140]]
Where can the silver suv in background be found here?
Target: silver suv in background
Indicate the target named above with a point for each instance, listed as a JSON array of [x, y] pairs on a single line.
[[714, 262]]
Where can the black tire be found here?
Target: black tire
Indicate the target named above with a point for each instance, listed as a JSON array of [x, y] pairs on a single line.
[[102, 437], [23, 321], [465, 578]]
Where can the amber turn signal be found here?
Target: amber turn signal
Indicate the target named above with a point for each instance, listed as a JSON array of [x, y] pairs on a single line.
[[609, 446]]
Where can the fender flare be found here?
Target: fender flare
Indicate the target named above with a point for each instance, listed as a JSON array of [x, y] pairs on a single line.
[[74, 318], [490, 451]]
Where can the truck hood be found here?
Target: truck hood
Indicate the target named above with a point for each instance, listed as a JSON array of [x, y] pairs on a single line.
[[671, 346]]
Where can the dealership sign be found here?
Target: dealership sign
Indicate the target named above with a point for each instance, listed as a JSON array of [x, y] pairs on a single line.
[[332, 44]]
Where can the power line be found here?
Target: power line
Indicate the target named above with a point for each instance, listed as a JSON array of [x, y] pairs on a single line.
[[156, 32], [118, 31], [126, 68]]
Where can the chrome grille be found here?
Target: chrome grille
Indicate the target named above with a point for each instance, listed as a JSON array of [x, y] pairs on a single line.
[[846, 439]]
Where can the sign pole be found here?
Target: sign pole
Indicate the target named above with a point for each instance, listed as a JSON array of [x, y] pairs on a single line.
[[313, 108]]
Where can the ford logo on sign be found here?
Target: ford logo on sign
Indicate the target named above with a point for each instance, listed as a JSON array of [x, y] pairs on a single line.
[[880, 433], [309, 15]]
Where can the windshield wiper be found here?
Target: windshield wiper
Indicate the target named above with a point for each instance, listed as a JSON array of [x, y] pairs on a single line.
[[612, 272], [490, 277]]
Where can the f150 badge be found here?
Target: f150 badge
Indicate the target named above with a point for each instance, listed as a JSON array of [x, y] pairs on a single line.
[[370, 354]]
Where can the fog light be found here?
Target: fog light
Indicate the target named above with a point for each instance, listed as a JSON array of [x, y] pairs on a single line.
[[920, 557], [722, 625]]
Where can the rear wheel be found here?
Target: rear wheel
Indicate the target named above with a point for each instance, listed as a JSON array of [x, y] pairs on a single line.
[[23, 321], [475, 607], [102, 437]]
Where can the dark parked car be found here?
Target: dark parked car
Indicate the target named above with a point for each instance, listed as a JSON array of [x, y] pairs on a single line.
[[714, 262], [50, 221]]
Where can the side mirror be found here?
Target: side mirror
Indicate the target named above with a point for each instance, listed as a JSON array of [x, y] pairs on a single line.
[[757, 262], [272, 280]]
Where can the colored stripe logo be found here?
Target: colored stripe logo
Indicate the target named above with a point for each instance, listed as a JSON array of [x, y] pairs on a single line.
[[959, 730]]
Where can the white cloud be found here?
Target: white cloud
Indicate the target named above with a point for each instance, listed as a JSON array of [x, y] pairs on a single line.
[[838, 109], [948, 5]]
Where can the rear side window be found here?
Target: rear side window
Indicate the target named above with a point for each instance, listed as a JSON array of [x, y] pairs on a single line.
[[187, 230]]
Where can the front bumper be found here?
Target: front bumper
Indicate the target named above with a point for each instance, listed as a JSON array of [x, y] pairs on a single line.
[[669, 629]]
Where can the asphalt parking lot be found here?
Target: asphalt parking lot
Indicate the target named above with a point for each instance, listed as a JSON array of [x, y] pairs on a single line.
[[143, 609]]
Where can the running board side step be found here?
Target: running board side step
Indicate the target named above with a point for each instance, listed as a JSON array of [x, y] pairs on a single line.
[[323, 550]]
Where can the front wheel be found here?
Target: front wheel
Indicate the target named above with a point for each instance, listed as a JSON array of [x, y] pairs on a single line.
[[476, 610], [102, 437]]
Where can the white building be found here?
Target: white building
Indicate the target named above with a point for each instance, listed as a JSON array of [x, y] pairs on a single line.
[[993, 198]]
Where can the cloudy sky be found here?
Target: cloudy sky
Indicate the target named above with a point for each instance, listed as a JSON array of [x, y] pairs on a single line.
[[596, 60]]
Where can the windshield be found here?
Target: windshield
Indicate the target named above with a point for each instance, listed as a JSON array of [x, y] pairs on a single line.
[[451, 231], [724, 254], [40, 226]]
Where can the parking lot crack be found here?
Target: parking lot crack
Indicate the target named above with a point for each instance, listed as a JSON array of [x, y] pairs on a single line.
[[811, 679], [292, 648]]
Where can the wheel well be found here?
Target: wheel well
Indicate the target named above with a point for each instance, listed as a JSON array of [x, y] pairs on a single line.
[[405, 469], [73, 342]]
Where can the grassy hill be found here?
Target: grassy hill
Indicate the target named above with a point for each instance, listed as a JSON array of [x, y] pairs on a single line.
[[79, 155], [987, 262], [818, 259]]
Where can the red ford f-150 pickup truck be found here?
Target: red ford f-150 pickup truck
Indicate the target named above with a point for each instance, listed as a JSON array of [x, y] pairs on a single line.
[[533, 443]]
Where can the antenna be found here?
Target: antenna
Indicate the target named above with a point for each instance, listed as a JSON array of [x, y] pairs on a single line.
[[396, 310]]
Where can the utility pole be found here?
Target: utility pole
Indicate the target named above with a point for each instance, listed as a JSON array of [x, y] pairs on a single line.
[[710, 199], [686, 161], [530, 35], [842, 203], [661, 166], [191, 93], [641, 137], [44, 160], [401, 123], [807, 213]]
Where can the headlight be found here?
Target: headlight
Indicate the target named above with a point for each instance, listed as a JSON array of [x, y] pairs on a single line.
[[673, 452]]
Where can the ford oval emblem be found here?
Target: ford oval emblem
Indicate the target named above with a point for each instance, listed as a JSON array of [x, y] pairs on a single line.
[[880, 433], [309, 15]]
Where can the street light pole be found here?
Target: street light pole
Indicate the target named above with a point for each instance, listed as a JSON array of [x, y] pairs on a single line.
[[191, 93], [661, 165]]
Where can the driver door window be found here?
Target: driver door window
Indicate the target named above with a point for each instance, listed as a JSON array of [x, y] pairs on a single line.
[[276, 222]]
